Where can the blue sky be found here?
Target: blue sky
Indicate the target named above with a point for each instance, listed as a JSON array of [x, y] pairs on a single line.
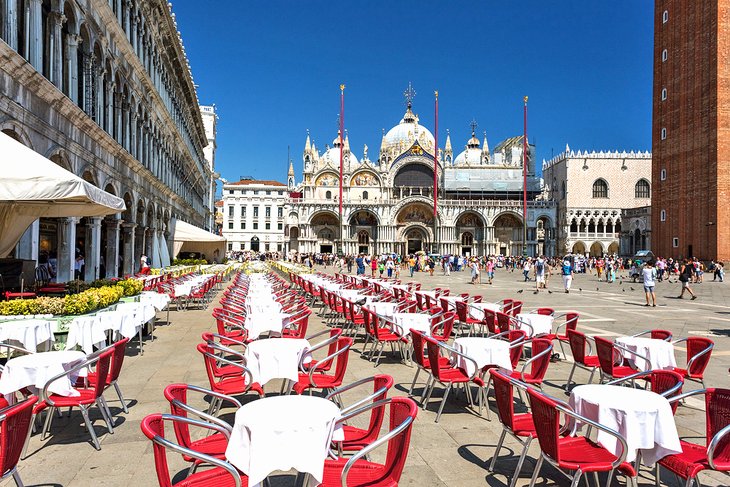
[[273, 70]]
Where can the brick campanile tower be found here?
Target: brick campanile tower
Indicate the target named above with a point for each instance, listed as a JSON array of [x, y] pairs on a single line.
[[691, 129]]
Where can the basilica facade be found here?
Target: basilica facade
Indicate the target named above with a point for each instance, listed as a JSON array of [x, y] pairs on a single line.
[[388, 202]]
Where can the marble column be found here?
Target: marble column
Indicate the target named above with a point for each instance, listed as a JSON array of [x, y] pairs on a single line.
[[127, 7], [56, 49], [92, 251], [35, 40], [71, 69], [109, 109], [149, 248], [140, 245], [111, 258], [27, 247], [118, 116], [10, 24], [133, 134], [129, 262], [66, 249]]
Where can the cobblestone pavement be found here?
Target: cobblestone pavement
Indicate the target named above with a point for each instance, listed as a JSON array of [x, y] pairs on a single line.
[[453, 452]]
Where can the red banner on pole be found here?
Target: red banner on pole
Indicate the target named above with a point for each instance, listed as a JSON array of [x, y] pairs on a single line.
[[342, 144], [436, 156]]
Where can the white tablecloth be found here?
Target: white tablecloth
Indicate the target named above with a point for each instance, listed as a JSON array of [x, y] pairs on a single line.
[[158, 300], [432, 294], [484, 351], [143, 312], [451, 300], [276, 358], [122, 321], [265, 321], [383, 309], [283, 433], [642, 417], [659, 352], [403, 322], [36, 369], [85, 332], [30, 333], [541, 324], [476, 310], [350, 294]]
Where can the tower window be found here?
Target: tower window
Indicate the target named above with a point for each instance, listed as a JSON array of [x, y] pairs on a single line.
[[675, 242], [665, 16], [664, 94], [663, 174], [664, 133], [665, 55], [663, 215]]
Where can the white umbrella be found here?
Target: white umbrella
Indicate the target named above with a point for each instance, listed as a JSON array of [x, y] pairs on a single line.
[[32, 187]]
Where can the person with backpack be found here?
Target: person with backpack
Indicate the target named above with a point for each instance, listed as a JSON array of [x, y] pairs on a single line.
[[539, 269], [567, 271], [685, 277]]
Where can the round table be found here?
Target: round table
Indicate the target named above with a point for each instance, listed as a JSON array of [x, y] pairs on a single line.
[[476, 310], [659, 353], [484, 351], [35, 369], [30, 333], [541, 324], [403, 322], [276, 358], [383, 309], [642, 417], [282, 433]]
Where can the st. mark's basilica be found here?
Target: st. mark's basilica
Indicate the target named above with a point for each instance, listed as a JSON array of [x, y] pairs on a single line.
[[388, 202]]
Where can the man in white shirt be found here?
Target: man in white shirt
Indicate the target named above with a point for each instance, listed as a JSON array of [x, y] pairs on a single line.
[[649, 274]]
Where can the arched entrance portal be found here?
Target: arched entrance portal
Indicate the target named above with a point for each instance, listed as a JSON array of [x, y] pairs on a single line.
[[596, 249], [255, 244], [579, 248], [363, 242], [508, 233], [416, 240], [467, 242]]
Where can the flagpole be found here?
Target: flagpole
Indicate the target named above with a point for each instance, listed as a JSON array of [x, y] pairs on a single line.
[[435, 171], [524, 181], [342, 150]]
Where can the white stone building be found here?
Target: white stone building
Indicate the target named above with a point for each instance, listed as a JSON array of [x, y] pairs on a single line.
[[104, 89], [210, 123], [388, 203], [253, 215], [591, 189]]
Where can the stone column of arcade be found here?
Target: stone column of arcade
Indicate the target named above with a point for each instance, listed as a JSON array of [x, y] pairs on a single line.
[[149, 250], [92, 250], [139, 247], [111, 257], [128, 265], [66, 249]]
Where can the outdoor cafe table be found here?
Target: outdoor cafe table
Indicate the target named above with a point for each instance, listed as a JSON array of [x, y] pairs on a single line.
[[452, 301], [158, 300], [659, 352], [282, 433], [382, 309], [35, 369], [642, 417], [403, 322], [350, 294], [30, 333], [276, 358], [476, 310], [263, 320], [541, 324], [484, 351]]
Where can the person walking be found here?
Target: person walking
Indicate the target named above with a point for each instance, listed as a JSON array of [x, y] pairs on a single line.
[[539, 269], [685, 277], [526, 269], [490, 270], [567, 272], [373, 265], [389, 267], [649, 274], [412, 264]]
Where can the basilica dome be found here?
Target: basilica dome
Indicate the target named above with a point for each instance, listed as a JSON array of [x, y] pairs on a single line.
[[401, 137], [472, 155], [332, 156]]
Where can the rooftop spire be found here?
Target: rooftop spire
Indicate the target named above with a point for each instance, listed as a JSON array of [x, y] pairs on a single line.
[[447, 146], [307, 144], [291, 168]]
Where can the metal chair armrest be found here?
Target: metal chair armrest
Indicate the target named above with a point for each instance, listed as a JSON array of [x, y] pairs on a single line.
[[243, 368], [219, 395], [618, 381], [453, 351], [523, 323], [329, 357], [642, 333], [85, 363], [713, 445], [568, 411], [532, 359], [695, 357], [204, 416]]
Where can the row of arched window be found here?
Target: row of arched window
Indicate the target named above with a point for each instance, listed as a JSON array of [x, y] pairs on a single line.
[[641, 188]]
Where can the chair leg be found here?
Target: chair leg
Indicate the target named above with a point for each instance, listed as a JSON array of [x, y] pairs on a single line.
[[413, 384], [90, 427], [426, 387], [47, 424], [443, 401], [570, 377], [496, 452], [516, 475], [430, 391], [23, 454], [536, 472], [105, 414], [121, 397], [590, 378], [690, 481], [576, 479], [16, 477]]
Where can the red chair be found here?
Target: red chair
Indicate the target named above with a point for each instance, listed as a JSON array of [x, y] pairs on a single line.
[[358, 438], [715, 454], [448, 376], [544, 311], [462, 313], [442, 326], [86, 398], [516, 308], [519, 426], [214, 444], [315, 379], [115, 369], [538, 363], [666, 383], [699, 350], [238, 381], [578, 341], [608, 358], [420, 357], [223, 474], [331, 344], [504, 321], [298, 324], [383, 335], [506, 305], [570, 323], [358, 472], [572, 455], [15, 427], [657, 334]]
